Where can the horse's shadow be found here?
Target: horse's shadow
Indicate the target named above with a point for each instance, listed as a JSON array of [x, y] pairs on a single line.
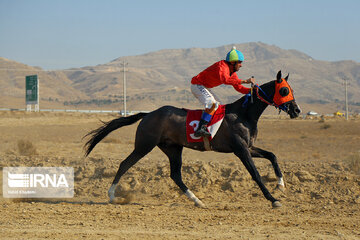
[[60, 201]]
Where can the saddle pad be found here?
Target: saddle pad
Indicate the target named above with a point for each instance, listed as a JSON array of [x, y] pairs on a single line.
[[192, 122]]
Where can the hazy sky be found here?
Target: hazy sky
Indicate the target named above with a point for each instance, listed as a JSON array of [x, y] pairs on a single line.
[[58, 34]]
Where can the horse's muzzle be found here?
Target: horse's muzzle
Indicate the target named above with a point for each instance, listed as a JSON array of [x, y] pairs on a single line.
[[293, 109]]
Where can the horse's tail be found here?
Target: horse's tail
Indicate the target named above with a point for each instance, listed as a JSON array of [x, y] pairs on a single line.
[[98, 134]]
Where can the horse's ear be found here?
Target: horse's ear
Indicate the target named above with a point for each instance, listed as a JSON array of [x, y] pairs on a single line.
[[287, 77], [278, 77]]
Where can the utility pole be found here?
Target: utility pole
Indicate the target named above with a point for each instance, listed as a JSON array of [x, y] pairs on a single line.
[[345, 78], [346, 98], [124, 64]]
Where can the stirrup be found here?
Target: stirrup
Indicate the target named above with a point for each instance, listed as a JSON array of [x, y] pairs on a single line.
[[202, 132]]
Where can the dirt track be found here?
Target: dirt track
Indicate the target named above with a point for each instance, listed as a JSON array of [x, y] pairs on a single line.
[[320, 162]]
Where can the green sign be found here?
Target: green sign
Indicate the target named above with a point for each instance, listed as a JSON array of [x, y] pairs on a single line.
[[32, 89]]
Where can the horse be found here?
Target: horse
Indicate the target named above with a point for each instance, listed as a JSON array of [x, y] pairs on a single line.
[[166, 129]]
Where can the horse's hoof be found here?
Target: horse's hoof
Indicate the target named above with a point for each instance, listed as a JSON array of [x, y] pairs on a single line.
[[276, 204], [280, 187], [200, 204]]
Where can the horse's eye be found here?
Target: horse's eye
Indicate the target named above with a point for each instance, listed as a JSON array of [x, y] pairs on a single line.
[[284, 91]]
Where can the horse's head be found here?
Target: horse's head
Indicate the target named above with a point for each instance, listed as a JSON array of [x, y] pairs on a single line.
[[284, 96], [281, 96]]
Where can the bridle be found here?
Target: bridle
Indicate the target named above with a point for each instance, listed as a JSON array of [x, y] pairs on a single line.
[[269, 100]]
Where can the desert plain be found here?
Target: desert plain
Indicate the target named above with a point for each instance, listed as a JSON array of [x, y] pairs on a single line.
[[320, 160]]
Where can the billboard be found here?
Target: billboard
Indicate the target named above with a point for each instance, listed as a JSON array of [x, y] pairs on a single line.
[[32, 89]]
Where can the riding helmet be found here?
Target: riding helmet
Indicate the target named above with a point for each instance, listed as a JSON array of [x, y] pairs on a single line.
[[234, 55]]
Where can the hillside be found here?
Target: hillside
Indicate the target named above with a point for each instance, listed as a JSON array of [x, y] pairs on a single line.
[[163, 77], [54, 85]]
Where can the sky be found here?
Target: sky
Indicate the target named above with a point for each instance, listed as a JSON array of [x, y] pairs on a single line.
[[60, 34]]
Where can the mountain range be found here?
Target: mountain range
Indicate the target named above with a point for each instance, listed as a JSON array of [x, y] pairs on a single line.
[[163, 77]]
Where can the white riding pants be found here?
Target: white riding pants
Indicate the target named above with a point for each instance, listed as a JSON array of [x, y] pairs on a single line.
[[205, 96]]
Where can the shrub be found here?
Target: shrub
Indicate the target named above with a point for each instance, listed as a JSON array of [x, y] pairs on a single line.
[[26, 148], [322, 119], [325, 126], [354, 163]]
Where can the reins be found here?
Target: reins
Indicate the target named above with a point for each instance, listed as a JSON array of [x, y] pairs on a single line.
[[268, 102], [261, 98]]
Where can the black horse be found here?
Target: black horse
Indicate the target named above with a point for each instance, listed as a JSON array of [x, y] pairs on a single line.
[[165, 128]]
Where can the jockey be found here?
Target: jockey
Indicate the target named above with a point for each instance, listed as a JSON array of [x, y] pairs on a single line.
[[222, 72]]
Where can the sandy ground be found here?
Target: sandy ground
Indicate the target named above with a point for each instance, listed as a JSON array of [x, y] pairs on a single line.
[[320, 161]]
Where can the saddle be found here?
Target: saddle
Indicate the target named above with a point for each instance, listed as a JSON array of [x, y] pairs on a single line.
[[192, 122]]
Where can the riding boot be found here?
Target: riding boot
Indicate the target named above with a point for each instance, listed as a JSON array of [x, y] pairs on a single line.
[[202, 131]]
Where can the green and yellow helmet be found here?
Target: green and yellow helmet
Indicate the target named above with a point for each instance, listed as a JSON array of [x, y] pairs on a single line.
[[234, 55]]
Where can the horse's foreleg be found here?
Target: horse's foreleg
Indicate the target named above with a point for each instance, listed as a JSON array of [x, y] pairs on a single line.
[[241, 151], [174, 155], [260, 153]]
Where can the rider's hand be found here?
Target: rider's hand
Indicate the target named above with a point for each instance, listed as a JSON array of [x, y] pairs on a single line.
[[250, 80]]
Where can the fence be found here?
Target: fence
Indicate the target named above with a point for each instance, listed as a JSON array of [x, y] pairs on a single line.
[[75, 111]]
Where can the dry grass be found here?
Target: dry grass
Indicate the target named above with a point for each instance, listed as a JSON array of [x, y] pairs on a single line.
[[354, 163], [26, 148]]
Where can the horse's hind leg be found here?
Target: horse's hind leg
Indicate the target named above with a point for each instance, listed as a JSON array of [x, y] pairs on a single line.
[[174, 154], [142, 147], [260, 153], [133, 158]]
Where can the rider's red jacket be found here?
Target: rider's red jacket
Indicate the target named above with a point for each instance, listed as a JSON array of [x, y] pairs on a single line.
[[217, 74]]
